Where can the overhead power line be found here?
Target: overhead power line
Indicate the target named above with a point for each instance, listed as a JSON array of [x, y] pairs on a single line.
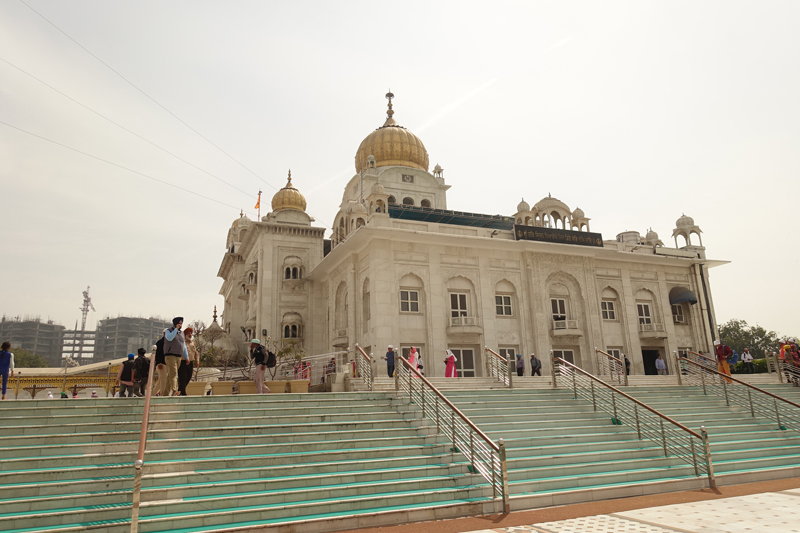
[[119, 166], [129, 82], [124, 128]]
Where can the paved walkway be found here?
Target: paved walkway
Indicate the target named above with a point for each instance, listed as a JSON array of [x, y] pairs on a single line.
[[773, 512], [764, 507]]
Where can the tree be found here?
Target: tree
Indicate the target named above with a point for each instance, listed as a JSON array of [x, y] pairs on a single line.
[[25, 359], [287, 353], [738, 335]]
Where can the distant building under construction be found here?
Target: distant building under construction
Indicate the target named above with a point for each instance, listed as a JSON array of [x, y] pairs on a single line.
[[116, 337], [30, 333]]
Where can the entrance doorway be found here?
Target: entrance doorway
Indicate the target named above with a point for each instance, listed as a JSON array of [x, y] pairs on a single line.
[[649, 359], [465, 363]]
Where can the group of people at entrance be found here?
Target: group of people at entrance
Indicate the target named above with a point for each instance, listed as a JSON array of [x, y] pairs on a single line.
[[450, 363]]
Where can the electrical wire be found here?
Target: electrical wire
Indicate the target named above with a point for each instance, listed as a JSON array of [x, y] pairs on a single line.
[[118, 165], [249, 195], [156, 102], [147, 95]]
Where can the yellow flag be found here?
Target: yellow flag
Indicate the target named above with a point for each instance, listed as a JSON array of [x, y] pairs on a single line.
[[258, 203]]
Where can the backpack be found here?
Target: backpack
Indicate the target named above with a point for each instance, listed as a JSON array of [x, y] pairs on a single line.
[[160, 352], [142, 367], [271, 360]]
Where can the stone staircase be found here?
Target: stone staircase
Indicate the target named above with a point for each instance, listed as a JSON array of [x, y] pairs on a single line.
[[310, 462], [384, 383], [743, 448], [560, 451]]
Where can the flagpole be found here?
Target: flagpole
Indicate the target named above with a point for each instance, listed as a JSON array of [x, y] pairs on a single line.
[[259, 206]]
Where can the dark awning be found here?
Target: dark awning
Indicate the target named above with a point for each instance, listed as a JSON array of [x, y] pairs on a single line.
[[681, 294]]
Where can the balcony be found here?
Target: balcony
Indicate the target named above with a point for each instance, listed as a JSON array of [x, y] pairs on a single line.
[[566, 327], [652, 330], [464, 324]]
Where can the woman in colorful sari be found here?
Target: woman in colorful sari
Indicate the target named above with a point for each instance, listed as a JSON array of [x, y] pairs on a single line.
[[450, 368]]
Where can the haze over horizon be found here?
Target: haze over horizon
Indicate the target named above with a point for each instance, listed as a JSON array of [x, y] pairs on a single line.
[[635, 112]]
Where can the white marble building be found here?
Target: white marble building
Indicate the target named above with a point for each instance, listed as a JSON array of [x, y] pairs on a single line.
[[401, 269]]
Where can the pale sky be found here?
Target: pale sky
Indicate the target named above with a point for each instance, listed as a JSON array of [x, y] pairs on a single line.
[[636, 112]]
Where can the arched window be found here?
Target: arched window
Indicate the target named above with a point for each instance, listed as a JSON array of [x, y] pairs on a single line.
[[286, 332], [294, 331], [294, 273], [359, 222], [392, 200], [288, 274], [425, 203], [408, 201]]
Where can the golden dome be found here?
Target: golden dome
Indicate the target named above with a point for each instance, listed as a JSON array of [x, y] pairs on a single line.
[[288, 198], [392, 145]]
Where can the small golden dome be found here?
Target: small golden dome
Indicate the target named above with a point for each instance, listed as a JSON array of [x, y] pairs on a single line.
[[288, 198], [392, 145]]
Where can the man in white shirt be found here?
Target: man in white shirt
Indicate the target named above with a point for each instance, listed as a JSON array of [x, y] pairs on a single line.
[[747, 359]]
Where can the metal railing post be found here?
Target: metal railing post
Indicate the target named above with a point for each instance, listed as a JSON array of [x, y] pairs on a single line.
[[614, 403], [574, 386], [108, 380], [678, 368], [725, 388], [504, 473], [553, 370], [777, 413], [750, 401], [709, 465], [636, 414], [694, 457], [663, 438], [703, 380], [594, 403], [511, 364], [438, 425], [624, 369], [371, 373]]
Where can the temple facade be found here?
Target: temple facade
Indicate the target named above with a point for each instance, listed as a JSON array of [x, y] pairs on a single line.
[[401, 268]]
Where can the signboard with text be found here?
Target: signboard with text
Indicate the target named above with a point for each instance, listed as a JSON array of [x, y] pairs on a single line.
[[559, 236]]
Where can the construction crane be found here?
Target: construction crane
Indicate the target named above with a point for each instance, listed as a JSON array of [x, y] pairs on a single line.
[[87, 305]]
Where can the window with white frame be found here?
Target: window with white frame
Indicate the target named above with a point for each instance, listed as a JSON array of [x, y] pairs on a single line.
[[643, 310], [677, 314], [458, 304], [567, 355], [608, 308], [503, 304], [509, 352], [409, 301], [616, 352], [559, 308]]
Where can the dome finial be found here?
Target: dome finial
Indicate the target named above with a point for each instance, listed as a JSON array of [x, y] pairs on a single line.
[[389, 97], [215, 313], [290, 175]]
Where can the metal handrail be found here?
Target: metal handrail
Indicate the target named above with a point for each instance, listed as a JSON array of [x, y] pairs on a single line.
[[787, 368], [701, 356], [616, 368], [137, 465], [724, 386], [672, 436], [364, 367], [487, 457], [499, 368]]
